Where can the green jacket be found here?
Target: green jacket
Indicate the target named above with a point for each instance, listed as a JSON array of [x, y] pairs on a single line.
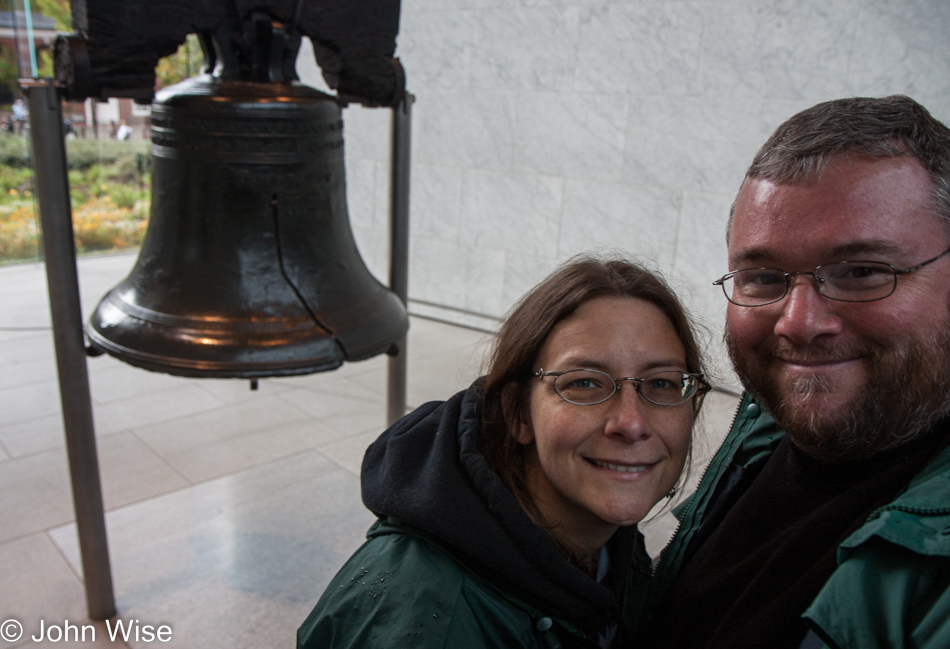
[[892, 585], [403, 589], [455, 561]]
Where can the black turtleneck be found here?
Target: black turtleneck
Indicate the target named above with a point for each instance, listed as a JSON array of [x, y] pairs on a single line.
[[759, 566]]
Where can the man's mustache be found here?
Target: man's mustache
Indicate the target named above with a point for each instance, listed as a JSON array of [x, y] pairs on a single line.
[[818, 352]]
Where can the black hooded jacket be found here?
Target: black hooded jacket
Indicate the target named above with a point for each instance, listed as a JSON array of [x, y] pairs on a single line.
[[426, 479]]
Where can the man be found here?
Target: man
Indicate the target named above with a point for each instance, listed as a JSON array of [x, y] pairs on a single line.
[[836, 532], [20, 114]]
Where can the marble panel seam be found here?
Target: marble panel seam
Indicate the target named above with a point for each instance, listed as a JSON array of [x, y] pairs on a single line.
[[849, 67]]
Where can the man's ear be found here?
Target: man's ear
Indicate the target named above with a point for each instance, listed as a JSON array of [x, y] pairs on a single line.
[[519, 423]]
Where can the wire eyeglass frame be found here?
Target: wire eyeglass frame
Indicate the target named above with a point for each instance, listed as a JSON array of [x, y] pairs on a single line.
[[821, 282], [696, 385]]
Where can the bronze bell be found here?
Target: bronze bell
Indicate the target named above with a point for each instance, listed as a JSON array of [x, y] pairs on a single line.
[[249, 267]]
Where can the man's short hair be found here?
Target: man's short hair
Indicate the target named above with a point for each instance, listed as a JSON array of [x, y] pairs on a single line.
[[800, 149]]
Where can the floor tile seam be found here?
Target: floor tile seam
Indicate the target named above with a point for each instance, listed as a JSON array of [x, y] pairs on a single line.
[[189, 483], [349, 368], [345, 433], [71, 520], [42, 356], [378, 429], [351, 379], [27, 357], [222, 405], [66, 560], [138, 501], [221, 476], [203, 385], [331, 460], [306, 416], [94, 401], [43, 333], [64, 446], [452, 354], [29, 420], [451, 343], [54, 415], [118, 508], [324, 418], [305, 419], [162, 459], [26, 384], [145, 499], [156, 391], [321, 419], [197, 482]]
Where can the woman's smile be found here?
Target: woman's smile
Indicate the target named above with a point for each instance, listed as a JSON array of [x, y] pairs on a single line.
[[594, 468], [620, 467]]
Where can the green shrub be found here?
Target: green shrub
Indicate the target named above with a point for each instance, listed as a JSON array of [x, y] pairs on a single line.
[[125, 195], [14, 151], [132, 155], [129, 168], [19, 236], [83, 154], [18, 179], [101, 225], [109, 186]]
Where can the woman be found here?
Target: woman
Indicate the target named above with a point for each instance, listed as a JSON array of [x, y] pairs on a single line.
[[508, 513]]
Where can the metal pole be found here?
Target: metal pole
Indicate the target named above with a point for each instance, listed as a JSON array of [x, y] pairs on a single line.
[[28, 11], [399, 248], [16, 40], [52, 190]]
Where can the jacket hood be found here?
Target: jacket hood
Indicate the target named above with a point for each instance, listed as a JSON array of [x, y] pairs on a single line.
[[426, 471]]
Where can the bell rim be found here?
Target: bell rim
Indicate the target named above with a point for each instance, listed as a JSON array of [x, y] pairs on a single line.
[[275, 325], [202, 368]]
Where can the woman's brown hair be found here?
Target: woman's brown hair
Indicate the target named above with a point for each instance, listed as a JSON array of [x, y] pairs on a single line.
[[521, 335]]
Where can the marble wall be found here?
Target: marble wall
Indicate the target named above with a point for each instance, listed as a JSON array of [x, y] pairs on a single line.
[[544, 128]]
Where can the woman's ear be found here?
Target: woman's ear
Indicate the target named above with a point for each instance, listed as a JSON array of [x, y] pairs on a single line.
[[523, 432], [519, 423]]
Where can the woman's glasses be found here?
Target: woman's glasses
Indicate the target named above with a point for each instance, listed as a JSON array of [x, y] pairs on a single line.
[[590, 387]]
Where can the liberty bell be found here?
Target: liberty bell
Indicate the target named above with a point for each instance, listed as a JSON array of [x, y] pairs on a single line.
[[249, 267]]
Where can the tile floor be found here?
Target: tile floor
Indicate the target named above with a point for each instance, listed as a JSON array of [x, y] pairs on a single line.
[[227, 510]]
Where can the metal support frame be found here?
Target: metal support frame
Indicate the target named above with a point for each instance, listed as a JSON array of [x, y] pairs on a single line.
[[399, 248], [52, 191]]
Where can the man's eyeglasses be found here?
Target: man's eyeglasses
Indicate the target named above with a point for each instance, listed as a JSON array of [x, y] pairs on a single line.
[[590, 387], [845, 281]]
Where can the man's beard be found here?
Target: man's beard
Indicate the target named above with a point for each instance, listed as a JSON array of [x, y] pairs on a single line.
[[907, 390]]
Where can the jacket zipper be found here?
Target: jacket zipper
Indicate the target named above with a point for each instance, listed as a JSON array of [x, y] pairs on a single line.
[[687, 511], [924, 511]]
